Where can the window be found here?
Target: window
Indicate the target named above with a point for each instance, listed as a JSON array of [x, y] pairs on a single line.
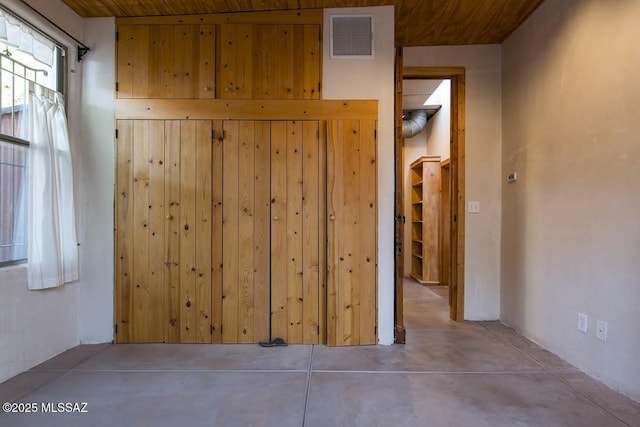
[[26, 55]]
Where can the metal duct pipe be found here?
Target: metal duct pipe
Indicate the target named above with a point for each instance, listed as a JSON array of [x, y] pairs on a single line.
[[414, 122]]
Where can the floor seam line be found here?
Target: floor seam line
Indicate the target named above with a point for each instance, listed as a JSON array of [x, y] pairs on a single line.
[[88, 357], [62, 372], [182, 371], [519, 350], [306, 395], [338, 371], [555, 375], [568, 384]]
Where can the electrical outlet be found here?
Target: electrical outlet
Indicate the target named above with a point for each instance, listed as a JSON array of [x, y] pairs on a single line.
[[601, 330], [582, 323], [474, 207]]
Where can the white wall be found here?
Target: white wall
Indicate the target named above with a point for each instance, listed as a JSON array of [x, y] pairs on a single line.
[[439, 126], [483, 171], [571, 240], [373, 79], [37, 325], [95, 172]]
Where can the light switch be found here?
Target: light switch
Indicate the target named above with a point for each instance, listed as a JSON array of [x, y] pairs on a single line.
[[474, 207]]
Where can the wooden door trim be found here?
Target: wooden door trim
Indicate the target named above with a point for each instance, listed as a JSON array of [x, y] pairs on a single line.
[[244, 109], [307, 16], [399, 333], [457, 162]]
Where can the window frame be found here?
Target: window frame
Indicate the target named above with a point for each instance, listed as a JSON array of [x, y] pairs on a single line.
[[61, 81], [23, 143]]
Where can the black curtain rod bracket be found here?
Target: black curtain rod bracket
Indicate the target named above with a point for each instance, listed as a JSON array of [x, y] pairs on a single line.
[[82, 51]]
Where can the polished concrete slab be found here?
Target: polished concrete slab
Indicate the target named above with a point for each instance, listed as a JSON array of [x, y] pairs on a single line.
[[431, 350], [199, 357], [364, 399], [448, 374], [170, 399]]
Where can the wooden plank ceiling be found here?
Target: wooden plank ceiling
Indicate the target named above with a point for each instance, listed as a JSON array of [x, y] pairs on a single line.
[[418, 22]]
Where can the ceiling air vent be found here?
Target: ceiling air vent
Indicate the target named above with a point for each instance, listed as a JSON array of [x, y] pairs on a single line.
[[351, 36]]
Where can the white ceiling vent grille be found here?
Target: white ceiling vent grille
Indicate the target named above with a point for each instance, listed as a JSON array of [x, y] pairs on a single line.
[[351, 36]]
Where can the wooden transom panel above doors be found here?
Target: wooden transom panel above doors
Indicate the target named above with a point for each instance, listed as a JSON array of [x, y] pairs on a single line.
[[268, 56], [240, 231]]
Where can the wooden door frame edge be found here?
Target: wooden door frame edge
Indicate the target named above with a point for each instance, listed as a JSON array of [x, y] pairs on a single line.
[[399, 333], [457, 161]]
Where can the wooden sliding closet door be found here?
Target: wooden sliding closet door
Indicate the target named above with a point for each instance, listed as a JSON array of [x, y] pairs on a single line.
[[297, 231], [163, 231], [272, 233], [352, 232], [245, 212]]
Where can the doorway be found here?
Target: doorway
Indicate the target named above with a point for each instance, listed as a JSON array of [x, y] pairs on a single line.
[[456, 171]]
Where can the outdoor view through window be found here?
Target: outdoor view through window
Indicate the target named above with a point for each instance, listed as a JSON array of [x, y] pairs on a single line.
[[26, 57]]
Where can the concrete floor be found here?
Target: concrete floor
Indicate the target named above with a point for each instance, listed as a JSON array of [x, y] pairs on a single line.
[[448, 374]]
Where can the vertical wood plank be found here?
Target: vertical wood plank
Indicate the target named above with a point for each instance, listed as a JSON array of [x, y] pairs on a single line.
[[203, 229], [155, 57], [311, 232], [244, 62], [246, 230], [228, 60], [172, 228], [182, 61], [257, 61], [350, 265], [312, 61], [205, 87], [431, 218], [279, 261], [140, 231], [368, 231], [322, 231], [161, 61], [230, 213], [217, 234], [194, 62], [299, 62], [124, 61], [285, 61], [124, 230], [262, 256], [155, 306], [294, 241], [265, 62], [140, 77], [335, 136], [188, 315]]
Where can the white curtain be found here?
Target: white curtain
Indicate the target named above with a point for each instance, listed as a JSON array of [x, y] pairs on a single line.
[[53, 247]]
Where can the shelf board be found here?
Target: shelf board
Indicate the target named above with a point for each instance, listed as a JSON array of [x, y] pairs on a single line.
[[417, 184], [418, 278], [417, 203], [417, 256], [416, 241]]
